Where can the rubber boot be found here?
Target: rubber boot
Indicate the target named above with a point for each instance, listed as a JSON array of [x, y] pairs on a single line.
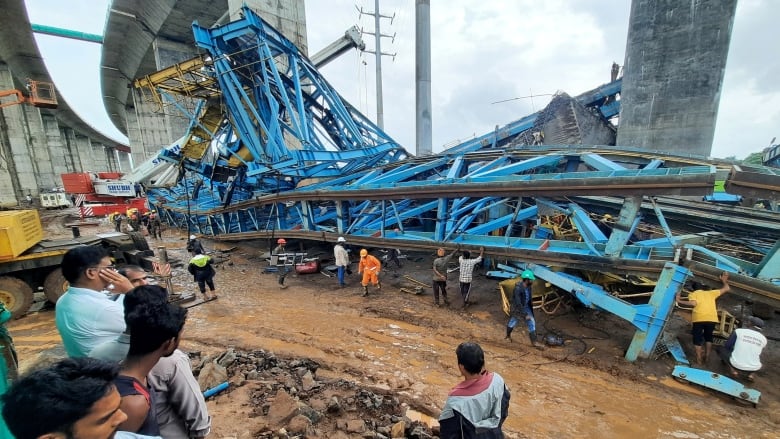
[[534, 342], [508, 333], [365, 290], [378, 285]]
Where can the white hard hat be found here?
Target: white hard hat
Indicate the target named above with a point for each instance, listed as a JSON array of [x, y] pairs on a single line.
[[341, 239], [192, 236]]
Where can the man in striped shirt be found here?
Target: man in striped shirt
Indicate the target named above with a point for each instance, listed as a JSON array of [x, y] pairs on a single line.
[[466, 273]]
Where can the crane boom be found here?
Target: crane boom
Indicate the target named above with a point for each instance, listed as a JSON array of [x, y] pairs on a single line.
[[351, 38]]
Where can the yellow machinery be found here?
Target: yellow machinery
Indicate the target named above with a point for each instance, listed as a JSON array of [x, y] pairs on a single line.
[[29, 262]]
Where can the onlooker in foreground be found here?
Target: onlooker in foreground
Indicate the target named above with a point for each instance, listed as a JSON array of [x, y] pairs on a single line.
[[477, 406], [75, 398], [85, 316], [155, 329], [704, 317], [181, 408], [742, 351], [467, 272], [201, 269]]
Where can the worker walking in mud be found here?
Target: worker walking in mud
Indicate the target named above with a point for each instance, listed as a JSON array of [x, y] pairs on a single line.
[[370, 267], [704, 317], [282, 265], [522, 308], [155, 226], [202, 270], [194, 245], [440, 275], [342, 260], [117, 221], [467, 265]]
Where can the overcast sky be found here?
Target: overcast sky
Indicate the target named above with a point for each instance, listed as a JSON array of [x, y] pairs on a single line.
[[482, 52]]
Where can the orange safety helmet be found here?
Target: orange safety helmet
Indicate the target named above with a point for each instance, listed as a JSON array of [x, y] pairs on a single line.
[[281, 241], [363, 253]]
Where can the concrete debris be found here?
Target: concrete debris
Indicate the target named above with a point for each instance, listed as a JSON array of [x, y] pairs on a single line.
[[289, 400]]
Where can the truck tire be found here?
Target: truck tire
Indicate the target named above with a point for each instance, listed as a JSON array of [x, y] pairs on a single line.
[[55, 285], [16, 295], [139, 240]]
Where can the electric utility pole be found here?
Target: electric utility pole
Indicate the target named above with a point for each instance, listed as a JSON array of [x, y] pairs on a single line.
[[378, 54]]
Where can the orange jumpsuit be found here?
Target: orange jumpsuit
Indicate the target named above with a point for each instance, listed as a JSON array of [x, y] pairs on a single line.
[[370, 267]]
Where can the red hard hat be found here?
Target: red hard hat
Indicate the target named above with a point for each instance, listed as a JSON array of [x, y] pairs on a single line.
[[281, 241]]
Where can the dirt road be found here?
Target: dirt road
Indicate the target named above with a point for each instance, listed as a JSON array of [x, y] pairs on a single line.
[[402, 342]]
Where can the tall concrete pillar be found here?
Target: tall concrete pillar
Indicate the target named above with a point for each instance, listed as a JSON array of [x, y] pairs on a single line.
[[70, 159], [10, 187], [57, 149], [675, 60], [22, 133], [422, 55], [288, 17], [150, 131], [166, 54]]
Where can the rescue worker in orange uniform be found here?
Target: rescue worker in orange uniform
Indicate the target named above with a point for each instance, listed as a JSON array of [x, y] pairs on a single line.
[[370, 267]]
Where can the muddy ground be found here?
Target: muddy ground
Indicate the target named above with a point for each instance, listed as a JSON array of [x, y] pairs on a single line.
[[401, 346]]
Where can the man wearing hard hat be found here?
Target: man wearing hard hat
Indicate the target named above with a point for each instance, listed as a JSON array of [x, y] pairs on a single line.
[[342, 259], [193, 245], [370, 267], [280, 250]]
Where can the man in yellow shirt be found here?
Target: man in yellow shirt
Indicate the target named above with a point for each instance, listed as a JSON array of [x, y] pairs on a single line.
[[704, 317]]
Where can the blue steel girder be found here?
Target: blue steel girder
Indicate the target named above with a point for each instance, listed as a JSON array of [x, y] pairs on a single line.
[[649, 319], [261, 75], [625, 225], [589, 231]]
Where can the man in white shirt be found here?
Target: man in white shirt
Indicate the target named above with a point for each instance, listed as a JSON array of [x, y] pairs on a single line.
[[85, 316], [342, 259], [742, 351]]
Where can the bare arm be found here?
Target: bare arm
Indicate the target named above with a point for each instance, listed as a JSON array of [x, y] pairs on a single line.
[[137, 409], [724, 277], [680, 300]]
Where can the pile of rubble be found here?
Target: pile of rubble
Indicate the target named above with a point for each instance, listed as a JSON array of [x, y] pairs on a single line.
[[289, 400]]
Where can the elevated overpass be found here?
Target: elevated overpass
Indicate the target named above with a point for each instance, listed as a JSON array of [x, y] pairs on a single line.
[[39, 149]]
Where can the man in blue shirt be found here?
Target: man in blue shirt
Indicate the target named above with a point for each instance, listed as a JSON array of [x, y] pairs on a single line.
[[85, 316]]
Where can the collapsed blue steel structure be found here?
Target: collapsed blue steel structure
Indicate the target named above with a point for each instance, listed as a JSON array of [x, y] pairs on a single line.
[[291, 157]]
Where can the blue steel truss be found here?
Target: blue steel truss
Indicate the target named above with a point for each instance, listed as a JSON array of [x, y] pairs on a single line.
[[292, 157]]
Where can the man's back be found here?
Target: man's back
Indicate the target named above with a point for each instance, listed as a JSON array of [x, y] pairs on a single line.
[[747, 349], [86, 319], [476, 408]]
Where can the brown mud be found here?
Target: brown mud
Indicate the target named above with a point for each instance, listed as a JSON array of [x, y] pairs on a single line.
[[403, 344]]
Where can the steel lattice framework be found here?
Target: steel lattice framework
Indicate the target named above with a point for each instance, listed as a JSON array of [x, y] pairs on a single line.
[[273, 149]]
